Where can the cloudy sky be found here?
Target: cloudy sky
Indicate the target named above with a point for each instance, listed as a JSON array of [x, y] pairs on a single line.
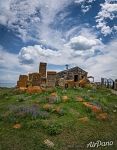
[[59, 32]]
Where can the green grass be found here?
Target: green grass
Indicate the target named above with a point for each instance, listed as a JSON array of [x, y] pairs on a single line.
[[64, 130]]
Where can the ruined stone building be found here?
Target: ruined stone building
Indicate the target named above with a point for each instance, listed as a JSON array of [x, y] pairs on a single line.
[[45, 78], [41, 78], [74, 74]]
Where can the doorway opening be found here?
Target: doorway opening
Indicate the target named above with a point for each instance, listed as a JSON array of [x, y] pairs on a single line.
[[75, 78]]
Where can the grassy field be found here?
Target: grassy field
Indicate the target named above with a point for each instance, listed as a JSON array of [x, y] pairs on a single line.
[[26, 121]]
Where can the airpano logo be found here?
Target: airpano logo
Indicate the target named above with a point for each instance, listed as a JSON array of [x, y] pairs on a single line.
[[99, 143]]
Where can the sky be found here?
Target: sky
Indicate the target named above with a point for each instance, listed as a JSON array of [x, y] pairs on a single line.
[[80, 33]]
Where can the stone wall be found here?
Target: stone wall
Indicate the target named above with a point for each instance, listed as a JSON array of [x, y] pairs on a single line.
[[36, 79], [72, 74], [42, 69], [51, 79], [22, 82]]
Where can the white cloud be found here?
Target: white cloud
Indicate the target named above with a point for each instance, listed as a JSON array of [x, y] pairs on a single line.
[[32, 19], [75, 51], [20, 16], [10, 68], [82, 43], [84, 7], [83, 1], [104, 65], [35, 54], [108, 11], [98, 65]]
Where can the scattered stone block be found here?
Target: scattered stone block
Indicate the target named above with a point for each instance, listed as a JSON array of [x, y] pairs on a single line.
[[49, 143], [94, 108], [102, 116], [65, 98], [79, 99], [114, 110], [17, 126], [47, 107], [54, 94], [84, 119]]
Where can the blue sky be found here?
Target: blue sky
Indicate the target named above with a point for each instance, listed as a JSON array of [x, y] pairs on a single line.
[[74, 32]]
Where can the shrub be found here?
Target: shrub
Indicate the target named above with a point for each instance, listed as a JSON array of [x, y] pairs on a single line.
[[88, 110], [29, 111], [43, 114], [85, 97], [54, 129], [92, 115], [21, 99], [10, 118]]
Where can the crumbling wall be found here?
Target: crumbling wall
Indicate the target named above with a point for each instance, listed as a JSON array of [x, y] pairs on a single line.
[[36, 79], [42, 69], [22, 82], [51, 79], [71, 73]]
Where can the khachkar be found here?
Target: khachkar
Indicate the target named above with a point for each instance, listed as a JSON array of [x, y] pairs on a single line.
[[42, 69]]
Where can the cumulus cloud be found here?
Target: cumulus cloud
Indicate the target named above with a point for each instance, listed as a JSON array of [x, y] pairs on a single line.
[[104, 65], [82, 43], [101, 64], [75, 51], [36, 53], [10, 68], [108, 11]]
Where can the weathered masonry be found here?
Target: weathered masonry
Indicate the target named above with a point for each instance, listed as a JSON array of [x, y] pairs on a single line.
[[22, 82], [42, 69], [51, 78], [45, 78], [74, 74]]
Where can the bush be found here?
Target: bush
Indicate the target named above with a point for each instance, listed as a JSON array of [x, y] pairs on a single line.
[[10, 118], [88, 110], [28, 111], [21, 99], [54, 129]]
